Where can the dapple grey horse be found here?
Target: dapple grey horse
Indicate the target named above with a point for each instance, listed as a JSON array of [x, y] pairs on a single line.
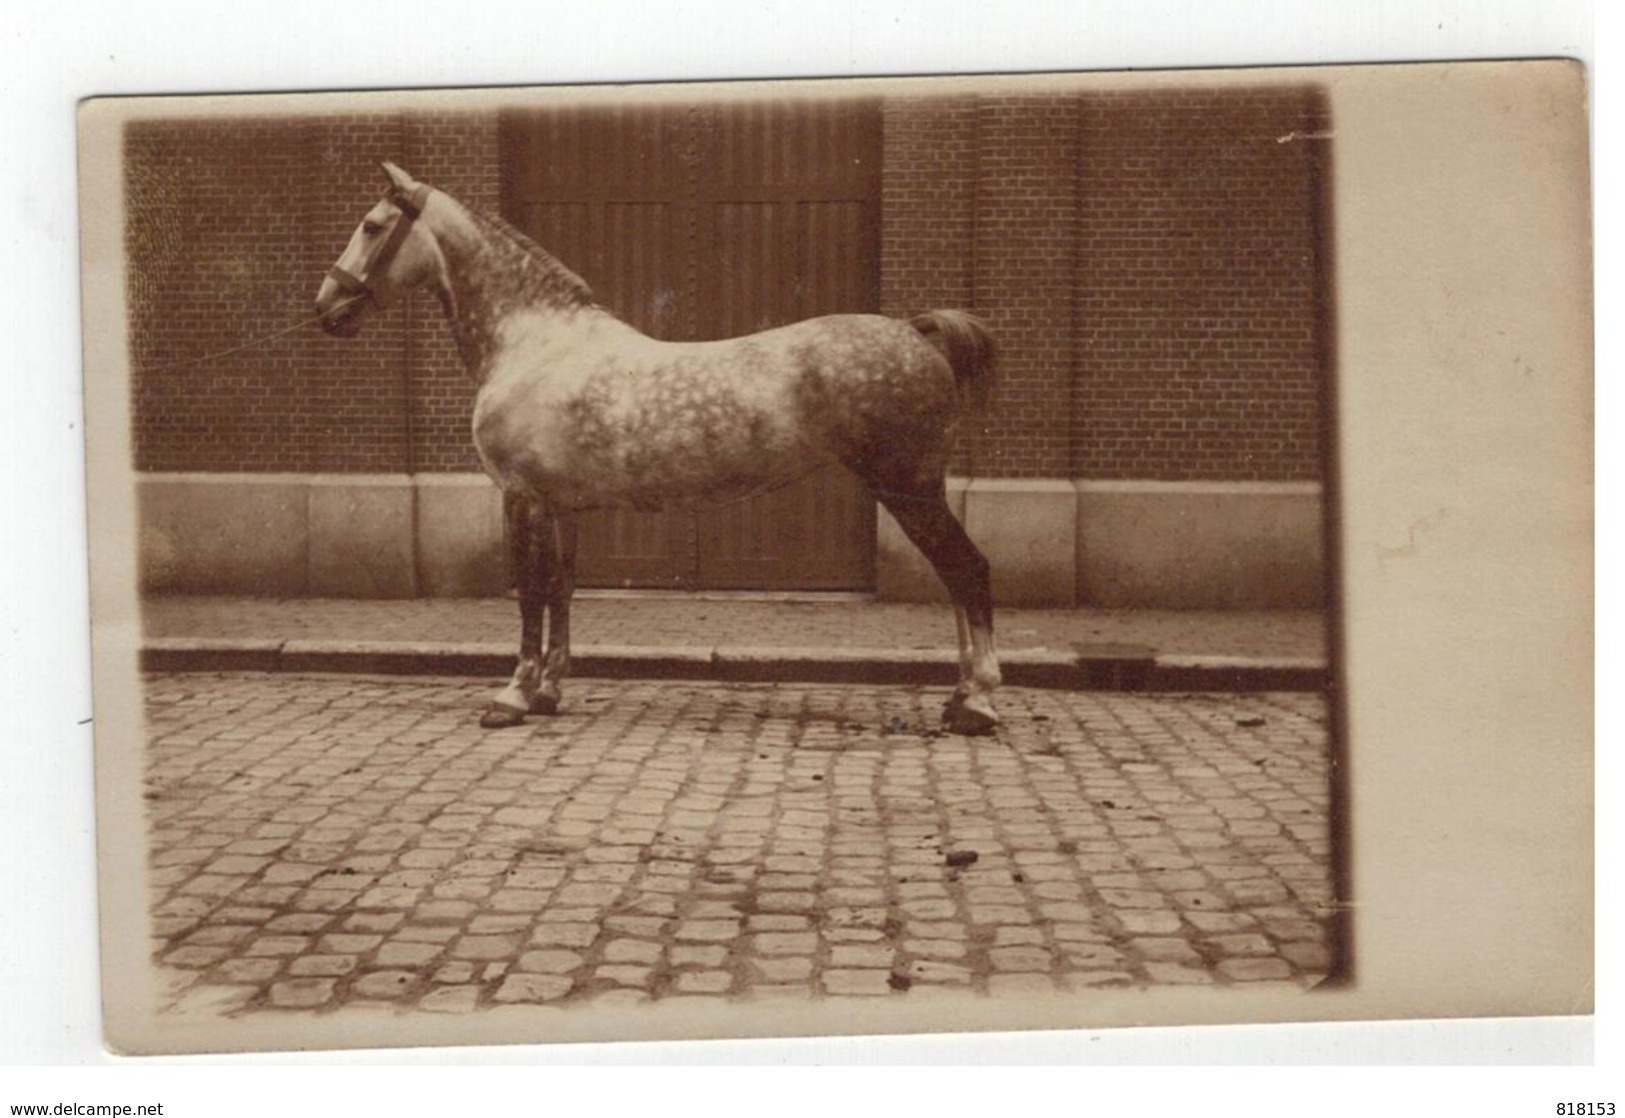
[[577, 410]]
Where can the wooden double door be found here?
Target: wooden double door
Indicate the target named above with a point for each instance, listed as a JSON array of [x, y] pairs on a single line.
[[710, 221]]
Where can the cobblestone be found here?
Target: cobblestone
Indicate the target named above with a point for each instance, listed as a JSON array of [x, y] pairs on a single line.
[[302, 993], [318, 965], [321, 842]]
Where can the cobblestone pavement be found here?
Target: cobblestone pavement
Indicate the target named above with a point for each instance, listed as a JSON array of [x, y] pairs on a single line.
[[319, 842], [690, 620]]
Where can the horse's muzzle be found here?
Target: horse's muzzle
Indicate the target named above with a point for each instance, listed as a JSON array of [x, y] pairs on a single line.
[[342, 322]]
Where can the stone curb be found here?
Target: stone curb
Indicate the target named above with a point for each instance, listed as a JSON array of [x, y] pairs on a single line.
[[1079, 668]]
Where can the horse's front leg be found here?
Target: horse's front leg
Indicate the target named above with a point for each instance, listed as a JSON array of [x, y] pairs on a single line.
[[528, 539], [559, 585]]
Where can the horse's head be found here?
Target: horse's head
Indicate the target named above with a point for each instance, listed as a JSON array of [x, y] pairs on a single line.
[[388, 253]]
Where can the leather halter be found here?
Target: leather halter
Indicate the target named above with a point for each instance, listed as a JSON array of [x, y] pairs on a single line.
[[411, 207]]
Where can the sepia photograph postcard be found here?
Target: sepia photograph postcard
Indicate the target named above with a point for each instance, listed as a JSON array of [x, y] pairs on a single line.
[[861, 556]]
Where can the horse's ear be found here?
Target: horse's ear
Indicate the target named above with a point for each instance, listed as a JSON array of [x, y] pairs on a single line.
[[398, 178]]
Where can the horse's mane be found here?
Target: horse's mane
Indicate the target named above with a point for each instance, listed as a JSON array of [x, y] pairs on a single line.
[[552, 281]]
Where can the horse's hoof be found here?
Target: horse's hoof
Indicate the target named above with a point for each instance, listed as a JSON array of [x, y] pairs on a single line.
[[545, 704], [499, 716], [962, 717]]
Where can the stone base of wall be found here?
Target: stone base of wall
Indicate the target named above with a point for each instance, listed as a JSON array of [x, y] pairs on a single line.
[[322, 535], [1027, 529], [1200, 545], [1121, 544], [1128, 544]]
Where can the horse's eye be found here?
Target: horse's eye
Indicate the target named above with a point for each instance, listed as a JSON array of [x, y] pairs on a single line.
[[370, 228]]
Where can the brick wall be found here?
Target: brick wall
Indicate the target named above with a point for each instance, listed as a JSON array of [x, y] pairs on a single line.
[[1026, 198], [231, 226], [1197, 287], [1149, 263]]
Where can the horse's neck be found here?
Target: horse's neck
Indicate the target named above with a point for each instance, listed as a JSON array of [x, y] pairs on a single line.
[[488, 275]]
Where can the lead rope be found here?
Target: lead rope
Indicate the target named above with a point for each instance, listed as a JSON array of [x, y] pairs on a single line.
[[301, 324]]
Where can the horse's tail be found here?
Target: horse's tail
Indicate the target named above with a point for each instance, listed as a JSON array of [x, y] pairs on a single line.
[[965, 341]]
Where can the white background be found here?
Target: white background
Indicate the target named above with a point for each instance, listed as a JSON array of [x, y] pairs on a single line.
[[57, 53]]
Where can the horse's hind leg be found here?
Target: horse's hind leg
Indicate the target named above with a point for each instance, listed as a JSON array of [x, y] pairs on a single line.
[[529, 540], [966, 660], [927, 521]]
